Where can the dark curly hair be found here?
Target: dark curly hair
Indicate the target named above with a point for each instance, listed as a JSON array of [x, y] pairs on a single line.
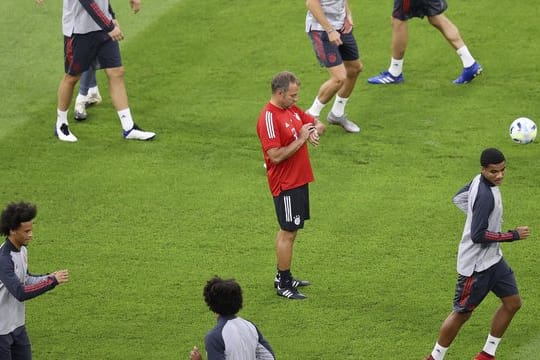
[[14, 214], [224, 297]]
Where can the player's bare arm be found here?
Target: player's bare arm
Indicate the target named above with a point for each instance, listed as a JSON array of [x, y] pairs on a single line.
[[280, 154], [40, 2], [314, 6]]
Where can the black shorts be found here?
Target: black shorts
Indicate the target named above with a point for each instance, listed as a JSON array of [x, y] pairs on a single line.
[[471, 290], [292, 208], [95, 49], [406, 9], [330, 55], [16, 345]]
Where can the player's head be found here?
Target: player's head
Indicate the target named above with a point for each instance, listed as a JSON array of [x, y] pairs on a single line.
[[493, 165], [224, 297], [285, 88], [16, 222]]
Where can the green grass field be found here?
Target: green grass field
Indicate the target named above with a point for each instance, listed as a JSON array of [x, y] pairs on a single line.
[[142, 226]]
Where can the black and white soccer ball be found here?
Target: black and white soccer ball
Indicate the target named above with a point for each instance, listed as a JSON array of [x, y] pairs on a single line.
[[523, 130]]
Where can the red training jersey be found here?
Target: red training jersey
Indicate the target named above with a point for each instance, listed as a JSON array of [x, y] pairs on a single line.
[[277, 128]]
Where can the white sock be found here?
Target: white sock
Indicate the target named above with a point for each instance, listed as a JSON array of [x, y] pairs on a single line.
[[126, 119], [438, 352], [396, 67], [491, 345], [465, 56], [93, 90], [61, 117], [316, 108], [338, 108]]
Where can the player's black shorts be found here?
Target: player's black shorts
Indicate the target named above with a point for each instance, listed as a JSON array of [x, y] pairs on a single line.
[[292, 208], [82, 51], [16, 343], [406, 9], [471, 290], [329, 54]]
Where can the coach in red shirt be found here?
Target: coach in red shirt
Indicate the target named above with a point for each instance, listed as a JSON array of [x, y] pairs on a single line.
[[283, 130]]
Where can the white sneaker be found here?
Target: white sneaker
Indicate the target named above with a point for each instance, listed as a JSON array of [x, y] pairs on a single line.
[[93, 98], [79, 113], [343, 121], [64, 134], [136, 133]]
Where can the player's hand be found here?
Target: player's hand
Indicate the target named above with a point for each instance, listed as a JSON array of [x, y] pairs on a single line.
[[314, 137], [116, 34], [334, 37], [195, 354], [306, 131], [62, 276], [347, 25], [135, 5], [523, 232], [40, 2]]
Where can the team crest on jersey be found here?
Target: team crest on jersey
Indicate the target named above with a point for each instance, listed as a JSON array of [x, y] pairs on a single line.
[[297, 220]]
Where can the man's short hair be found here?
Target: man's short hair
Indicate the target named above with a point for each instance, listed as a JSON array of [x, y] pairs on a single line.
[[491, 156], [14, 214], [224, 297], [282, 80]]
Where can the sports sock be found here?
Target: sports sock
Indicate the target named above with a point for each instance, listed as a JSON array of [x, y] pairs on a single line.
[[81, 97], [285, 277], [126, 119], [93, 90], [396, 67], [438, 352], [338, 108], [316, 108], [61, 117], [465, 56], [491, 345]]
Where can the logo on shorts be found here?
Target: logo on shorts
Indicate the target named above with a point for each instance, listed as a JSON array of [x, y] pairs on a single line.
[[332, 58], [297, 220]]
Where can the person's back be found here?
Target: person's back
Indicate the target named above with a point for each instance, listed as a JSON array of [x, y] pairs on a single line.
[[237, 339], [233, 338]]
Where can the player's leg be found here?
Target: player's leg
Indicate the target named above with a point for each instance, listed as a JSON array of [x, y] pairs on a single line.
[[109, 58], [81, 100], [76, 60], [470, 292], [400, 36], [353, 67], [507, 290], [292, 209], [471, 68], [329, 57]]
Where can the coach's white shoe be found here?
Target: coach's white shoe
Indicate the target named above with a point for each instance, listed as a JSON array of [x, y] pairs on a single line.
[[136, 133], [64, 134], [79, 112]]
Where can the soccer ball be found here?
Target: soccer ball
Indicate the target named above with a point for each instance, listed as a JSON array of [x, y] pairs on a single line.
[[523, 130]]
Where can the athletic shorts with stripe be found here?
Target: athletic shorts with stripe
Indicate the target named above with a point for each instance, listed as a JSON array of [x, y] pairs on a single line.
[[82, 51], [292, 208], [471, 290], [330, 55], [406, 9]]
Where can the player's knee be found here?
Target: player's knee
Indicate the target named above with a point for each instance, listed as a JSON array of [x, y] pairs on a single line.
[[117, 72]]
